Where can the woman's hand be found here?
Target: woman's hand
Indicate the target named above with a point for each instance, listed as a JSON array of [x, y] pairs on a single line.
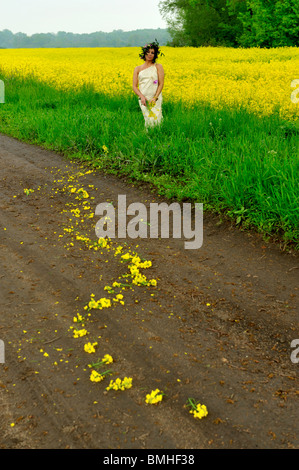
[[153, 101], [143, 100]]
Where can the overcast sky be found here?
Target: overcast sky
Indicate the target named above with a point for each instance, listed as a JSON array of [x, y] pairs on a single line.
[[78, 16]]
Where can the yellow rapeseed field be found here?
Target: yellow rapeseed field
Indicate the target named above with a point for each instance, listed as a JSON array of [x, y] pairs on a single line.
[[257, 79]]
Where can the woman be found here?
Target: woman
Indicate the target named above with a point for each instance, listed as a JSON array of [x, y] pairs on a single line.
[[150, 79]]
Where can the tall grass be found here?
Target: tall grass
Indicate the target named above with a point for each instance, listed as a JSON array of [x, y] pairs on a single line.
[[234, 162]]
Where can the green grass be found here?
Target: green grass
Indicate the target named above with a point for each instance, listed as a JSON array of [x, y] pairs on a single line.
[[236, 163]]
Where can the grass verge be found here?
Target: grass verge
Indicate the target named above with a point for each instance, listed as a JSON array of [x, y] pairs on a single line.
[[234, 162]]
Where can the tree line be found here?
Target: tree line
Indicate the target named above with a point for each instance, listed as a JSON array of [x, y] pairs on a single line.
[[116, 38], [232, 23]]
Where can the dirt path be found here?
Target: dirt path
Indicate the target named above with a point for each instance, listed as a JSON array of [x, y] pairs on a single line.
[[217, 327]]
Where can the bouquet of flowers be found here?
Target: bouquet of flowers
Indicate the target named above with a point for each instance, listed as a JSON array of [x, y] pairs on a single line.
[[150, 105]]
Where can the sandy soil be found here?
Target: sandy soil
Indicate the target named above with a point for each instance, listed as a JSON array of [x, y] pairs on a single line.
[[216, 328]]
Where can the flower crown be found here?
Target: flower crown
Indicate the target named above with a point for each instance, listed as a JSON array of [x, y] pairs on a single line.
[[152, 45]]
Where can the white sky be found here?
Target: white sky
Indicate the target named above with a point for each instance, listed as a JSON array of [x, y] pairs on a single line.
[[78, 16]]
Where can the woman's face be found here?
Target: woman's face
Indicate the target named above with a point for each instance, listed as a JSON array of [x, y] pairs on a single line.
[[150, 55]]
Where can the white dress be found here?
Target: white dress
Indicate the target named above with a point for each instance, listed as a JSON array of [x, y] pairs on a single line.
[[148, 84]]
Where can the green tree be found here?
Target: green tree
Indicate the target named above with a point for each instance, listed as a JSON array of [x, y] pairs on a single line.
[[247, 23], [270, 23], [6, 38], [201, 22], [116, 38]]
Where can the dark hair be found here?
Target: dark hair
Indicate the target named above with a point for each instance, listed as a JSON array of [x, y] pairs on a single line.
[[153, 45]]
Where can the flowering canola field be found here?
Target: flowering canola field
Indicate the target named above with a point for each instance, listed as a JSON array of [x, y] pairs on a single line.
[[257, 79]]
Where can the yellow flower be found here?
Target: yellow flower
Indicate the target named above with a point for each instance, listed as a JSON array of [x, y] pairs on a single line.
[[107, 359], [118, 250], [154, 397], [78, 318], [80, 333], [199, 411], [83, 193], [135, 260], [145, 264], [96, 376], [119, 384], [102, 242], [90, 347], [99, 304], [28, 191]]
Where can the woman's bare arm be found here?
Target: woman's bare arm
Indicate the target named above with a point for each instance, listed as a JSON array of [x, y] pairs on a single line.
[[135, 86], [160, 71], [160, 79]]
